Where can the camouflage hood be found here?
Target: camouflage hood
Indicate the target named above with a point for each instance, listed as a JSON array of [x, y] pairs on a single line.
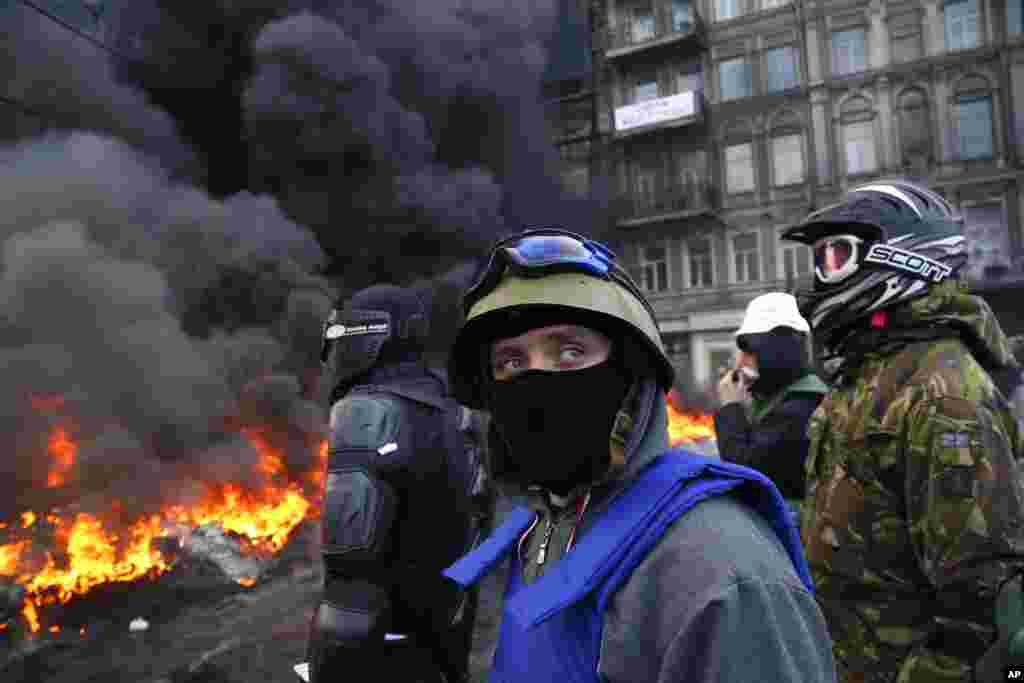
[[948, 310]]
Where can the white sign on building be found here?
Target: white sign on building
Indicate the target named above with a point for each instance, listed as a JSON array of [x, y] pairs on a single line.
[[657, 110]]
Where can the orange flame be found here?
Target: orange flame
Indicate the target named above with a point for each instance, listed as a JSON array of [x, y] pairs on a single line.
[[64, 452], [686, 427], [89, 554], [47, 403], [9, 557]]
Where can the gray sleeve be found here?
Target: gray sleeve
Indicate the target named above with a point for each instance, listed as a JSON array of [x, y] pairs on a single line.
[[752, 631], [717, 600]]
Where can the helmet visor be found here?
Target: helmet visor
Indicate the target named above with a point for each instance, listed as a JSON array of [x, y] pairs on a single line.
[[545, 251], [836, 257]]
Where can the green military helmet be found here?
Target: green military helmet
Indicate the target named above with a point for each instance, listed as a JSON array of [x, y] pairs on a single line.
[[521, 291]]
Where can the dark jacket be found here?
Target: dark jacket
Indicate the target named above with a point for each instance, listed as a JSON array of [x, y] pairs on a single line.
[[403, 498], [774, 443]]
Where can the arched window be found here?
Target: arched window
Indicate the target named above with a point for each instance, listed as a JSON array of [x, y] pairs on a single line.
[[860, 146], [915, 128], [973, 119], [738, 159], [786, 143]]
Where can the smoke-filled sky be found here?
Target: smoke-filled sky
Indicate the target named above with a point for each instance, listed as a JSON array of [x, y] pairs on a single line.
[[171, 241]]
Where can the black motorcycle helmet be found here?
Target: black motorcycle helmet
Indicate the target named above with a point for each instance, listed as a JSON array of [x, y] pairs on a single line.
[[885, 243]]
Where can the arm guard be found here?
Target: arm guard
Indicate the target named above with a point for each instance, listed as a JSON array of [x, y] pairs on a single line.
[[360, 507], [348, 629]]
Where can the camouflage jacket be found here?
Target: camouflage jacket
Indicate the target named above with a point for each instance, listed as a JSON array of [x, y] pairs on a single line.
[[912, 471]]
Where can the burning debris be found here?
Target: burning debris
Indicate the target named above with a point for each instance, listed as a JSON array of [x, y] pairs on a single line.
[[136, 429], [67, 554], [690, 427]]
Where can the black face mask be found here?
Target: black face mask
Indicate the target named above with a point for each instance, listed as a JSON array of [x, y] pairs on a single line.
[[556, 426]]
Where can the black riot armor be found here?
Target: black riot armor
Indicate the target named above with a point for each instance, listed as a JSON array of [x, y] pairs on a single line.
[[405, 496]]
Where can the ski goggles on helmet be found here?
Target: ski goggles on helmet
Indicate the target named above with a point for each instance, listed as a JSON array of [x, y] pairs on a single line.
[[837, 257], [545, 251]]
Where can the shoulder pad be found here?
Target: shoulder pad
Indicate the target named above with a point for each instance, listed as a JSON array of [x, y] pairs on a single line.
[[365, 421]]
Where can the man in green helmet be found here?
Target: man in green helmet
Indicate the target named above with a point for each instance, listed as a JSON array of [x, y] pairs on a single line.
[[630, 562]]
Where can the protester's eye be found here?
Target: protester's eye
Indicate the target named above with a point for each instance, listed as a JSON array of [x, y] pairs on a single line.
[[509, 364], [572, 354]]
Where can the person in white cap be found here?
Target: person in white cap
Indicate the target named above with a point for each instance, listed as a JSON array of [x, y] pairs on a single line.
[[769, 395]]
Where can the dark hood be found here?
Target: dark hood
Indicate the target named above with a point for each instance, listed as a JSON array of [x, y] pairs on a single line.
[[781, 359]]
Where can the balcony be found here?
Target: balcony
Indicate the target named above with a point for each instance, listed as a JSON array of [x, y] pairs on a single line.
[[681, 109], [672, 23], [571, 118], [671, 200]]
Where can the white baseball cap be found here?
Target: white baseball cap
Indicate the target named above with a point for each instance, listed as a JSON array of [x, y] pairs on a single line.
[[768, 311]]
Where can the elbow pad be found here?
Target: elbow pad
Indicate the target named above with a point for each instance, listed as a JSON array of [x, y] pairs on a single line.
[[358, 514], [359, 507]]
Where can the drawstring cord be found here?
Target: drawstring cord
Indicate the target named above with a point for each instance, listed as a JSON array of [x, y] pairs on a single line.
[[581, 510]]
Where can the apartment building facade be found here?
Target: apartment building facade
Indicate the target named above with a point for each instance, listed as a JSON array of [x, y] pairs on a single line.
[[721, 122], [19, 116]]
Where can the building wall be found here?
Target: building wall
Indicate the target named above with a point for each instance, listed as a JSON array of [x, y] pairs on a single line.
[[899, 84], [19, 118]]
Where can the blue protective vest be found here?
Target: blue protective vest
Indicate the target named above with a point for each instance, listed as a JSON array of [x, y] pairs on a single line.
[[551, 629]]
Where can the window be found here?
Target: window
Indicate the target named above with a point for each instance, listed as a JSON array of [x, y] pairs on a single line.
[[735, 78], [680, 16], [739, 168], [906, 46], [691, 172], [690, 79], [961, 24], [794, 261], [859, 138], [644, 193], [645, 89], [85, 16], [700, 261], [652, 268], [783, 68], [915, 127], [849, 52], [988, 240], [1014, 17], [787, 159], [974, 126], [727, 9], [643, 23], [746, 267]]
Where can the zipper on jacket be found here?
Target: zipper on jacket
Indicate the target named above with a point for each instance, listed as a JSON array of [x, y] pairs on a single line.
[[543, 552]]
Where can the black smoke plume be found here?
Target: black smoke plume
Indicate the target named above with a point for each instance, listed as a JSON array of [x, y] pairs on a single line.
[[105, 260], [181, 209], [406, 135]]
